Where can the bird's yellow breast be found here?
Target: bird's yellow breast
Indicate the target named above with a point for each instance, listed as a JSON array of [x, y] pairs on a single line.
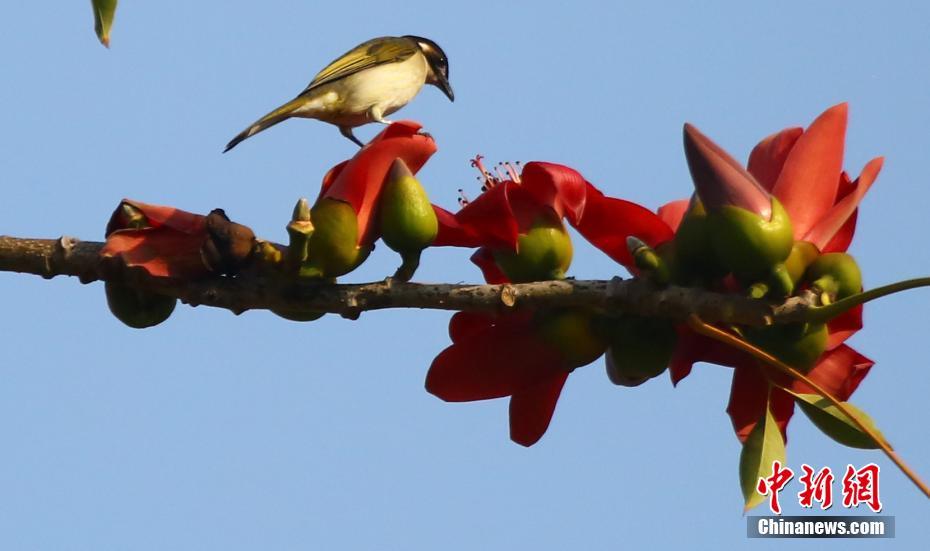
[[347, 102]]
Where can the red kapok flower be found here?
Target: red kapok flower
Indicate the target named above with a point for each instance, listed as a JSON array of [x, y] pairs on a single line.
[[516, 224], [169, 242], [802, 169], [493, 356], [165, 241], [359, 180]]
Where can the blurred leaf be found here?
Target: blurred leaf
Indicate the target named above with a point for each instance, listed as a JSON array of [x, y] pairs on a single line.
[[104, 10], [764, 445], [836, 424]]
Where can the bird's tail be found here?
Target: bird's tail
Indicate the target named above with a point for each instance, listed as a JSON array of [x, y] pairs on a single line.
[[280, 114]]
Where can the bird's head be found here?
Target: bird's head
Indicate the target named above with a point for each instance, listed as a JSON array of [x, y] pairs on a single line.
[[438, 64]]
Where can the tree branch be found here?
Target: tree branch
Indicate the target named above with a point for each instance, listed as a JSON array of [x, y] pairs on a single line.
[[68, 256]]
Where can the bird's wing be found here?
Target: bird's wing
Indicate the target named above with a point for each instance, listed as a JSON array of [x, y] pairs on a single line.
[[364, 56]]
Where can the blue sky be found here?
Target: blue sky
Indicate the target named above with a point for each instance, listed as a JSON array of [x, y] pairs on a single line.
[[213, 431]]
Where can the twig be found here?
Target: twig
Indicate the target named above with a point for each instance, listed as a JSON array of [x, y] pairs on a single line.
[[71, 257]]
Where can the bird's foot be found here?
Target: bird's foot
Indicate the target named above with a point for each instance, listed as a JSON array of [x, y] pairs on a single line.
[[347, 132]]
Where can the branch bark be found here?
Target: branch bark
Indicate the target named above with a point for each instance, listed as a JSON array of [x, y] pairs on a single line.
[[71, 257]]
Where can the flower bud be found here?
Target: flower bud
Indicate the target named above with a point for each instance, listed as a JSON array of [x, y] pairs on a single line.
[[334, 248], [749, 229], [408, 221], [138, 309], [299, 231], [639, 349], [719, 179]]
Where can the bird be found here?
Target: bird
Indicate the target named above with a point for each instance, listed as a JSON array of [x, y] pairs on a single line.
[[366, 84]]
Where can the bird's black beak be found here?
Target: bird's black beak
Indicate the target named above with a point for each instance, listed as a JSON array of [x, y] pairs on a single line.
[[443, 84]]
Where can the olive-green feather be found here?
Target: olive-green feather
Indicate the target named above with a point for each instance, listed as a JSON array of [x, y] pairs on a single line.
[[280, 114], [366, 55]]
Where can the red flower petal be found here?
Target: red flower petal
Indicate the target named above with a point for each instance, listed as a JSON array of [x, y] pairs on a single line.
[[491, 364], [672, 213], [807, 185], [452, 233], [836, 219], [168, 247], [719, 179], [843, 238], [608, 221], [489, 220], [484, 259], [839, 371], [162, 251], [464, 325], [748, 400], [768, 157], [359, 182], [531, 409], [158, 216], [844, 326], [556, 186], [330, 177], [691, 348]]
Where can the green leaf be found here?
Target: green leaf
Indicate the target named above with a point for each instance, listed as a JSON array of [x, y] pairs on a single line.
[[836, 424], [764, 445], [104, 10]]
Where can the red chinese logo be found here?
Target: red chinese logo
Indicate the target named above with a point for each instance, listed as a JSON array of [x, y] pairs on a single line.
[[772, 485], [817, 487], [861, 487]]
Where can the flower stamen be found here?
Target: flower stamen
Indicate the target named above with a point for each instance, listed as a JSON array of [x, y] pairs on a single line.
[[513, 172], [503, 172], [463, 199]]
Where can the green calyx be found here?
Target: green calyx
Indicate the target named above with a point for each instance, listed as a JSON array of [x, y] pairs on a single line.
[[749, 245], [652, 264], [797, 344], [308, 315], [639, 349], [408, 221], [574, 333], [135, 308], [695, 258], [834, 276], [544, 252], [333, 248], [803, 253], [778, 283], [138, 309]]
